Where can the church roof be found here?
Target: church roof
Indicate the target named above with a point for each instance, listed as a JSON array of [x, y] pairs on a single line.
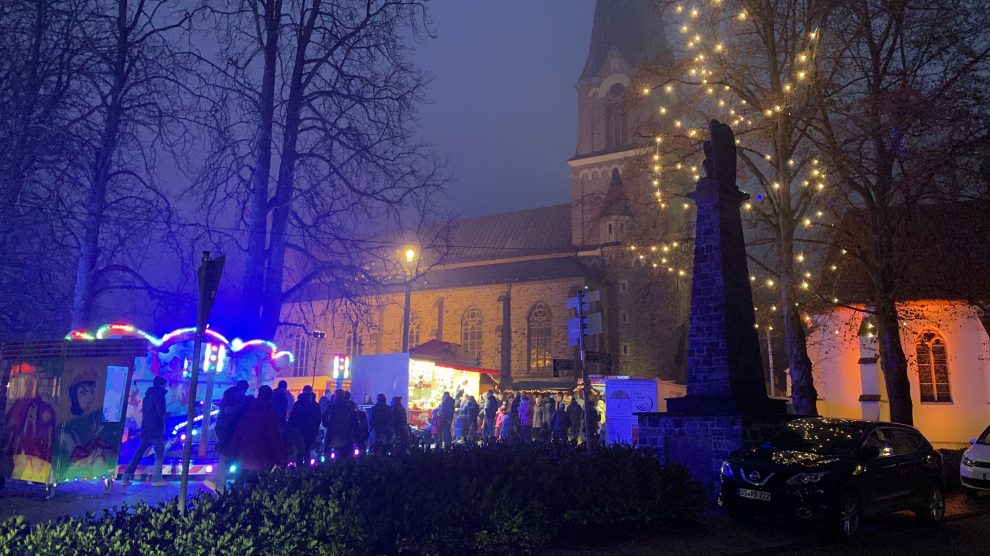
[[511, 234], [634, 27], [941, 252], [504, 273]]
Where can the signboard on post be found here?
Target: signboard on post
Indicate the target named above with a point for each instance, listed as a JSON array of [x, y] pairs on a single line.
[[560, 365], [586, 324], [210, 272]]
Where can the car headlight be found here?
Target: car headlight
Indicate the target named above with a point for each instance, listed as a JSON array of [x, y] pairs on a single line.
[[968, 462], [806, 478], [726, 469]]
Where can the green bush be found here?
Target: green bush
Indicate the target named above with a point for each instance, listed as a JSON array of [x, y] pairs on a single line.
[[465, 500]]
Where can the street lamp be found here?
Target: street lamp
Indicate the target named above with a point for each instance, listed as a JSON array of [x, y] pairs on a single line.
[[409, 267]]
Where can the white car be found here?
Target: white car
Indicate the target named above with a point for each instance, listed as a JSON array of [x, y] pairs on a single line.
[[974, 471]]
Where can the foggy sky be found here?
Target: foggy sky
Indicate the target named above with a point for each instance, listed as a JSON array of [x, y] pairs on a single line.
[[501, 105]]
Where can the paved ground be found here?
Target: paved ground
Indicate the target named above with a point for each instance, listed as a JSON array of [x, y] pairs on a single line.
[[965, 531], [77, 499]]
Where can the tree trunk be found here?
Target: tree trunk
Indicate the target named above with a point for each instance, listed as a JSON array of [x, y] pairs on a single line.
[[803, 393], [254, 270], [893, 362], [275, 270], [96, 200]]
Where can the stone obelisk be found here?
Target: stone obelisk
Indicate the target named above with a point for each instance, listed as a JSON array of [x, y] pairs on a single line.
[[726, 403]]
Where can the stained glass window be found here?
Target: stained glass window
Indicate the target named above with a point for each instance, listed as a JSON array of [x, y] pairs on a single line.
[[933, 367], [471, 331], [538, 334]]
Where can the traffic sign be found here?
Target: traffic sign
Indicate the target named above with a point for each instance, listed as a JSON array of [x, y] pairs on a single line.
[[598, 357], [592, 326], [563, 365]]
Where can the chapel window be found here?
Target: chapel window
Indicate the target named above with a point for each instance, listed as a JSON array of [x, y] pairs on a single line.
[[471, 331], [414, 330], [933, 367], [301, 348], [538, 334]]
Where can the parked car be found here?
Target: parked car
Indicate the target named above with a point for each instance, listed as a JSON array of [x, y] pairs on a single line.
[[837, 470], [974, 470]]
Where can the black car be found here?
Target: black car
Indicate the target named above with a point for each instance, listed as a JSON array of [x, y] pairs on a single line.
[[837, 470]]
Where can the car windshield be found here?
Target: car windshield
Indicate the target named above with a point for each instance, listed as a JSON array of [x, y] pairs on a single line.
[[984, 438], [820, 437]]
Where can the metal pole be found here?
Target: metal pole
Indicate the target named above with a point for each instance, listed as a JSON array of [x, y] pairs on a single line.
[[584, 370], [405, 318], [190, 415], [773, 389]]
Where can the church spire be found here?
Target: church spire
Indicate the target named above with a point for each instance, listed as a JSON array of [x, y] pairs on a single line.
[[633, 27]]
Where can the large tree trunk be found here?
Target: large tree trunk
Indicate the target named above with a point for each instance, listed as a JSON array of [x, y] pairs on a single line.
[[893, 362], [96, 200], [254, 270], [285, 185], [803, 393]]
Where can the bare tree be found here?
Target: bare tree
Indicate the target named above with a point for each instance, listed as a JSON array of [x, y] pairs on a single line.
[[313, 120], [131, 103], [748, 63], [903, 124]]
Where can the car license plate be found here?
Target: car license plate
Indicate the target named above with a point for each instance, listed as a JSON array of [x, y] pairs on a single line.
[[754, 494]]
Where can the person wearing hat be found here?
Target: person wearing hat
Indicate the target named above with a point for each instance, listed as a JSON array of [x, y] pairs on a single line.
[[152, 431]]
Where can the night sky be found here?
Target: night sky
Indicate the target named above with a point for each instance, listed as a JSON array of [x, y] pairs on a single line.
[[501, 105]]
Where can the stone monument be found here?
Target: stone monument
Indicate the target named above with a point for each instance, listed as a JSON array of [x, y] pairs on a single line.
[[726, 405]]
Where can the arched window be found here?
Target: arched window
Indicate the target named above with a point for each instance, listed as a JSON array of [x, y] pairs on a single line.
[[471, 333], [615, 126], [355, 344], [414, 329], [933, 367], [538, 332]]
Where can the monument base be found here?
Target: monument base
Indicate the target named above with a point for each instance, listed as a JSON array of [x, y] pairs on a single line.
[[702, 439]]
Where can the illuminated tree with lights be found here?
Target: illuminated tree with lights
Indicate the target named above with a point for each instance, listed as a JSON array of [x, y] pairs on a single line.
[[748, 64], [903, 125]]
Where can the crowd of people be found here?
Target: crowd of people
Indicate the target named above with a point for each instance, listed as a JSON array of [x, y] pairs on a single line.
[[274, 429], [511, 418]]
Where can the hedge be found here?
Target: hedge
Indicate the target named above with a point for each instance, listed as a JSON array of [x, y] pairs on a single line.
[[464, 500]]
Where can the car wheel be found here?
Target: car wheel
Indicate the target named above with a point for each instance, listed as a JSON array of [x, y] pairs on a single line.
[[850, 516], [933, 509]]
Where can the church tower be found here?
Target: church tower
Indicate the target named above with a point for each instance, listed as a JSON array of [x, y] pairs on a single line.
[[626, 35]]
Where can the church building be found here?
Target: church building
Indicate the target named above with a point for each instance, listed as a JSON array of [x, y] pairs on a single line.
[[501, 290]]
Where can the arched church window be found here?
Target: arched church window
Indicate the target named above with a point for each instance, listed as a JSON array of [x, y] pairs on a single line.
[[355, 344], [538, 333], [933, 367], [615, 126], [471, 331], [414, 330]]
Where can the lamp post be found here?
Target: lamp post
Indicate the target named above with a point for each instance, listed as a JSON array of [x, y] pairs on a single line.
[[408, 266]]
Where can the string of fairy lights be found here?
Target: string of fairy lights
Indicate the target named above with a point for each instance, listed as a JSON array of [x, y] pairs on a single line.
[[708, 30]]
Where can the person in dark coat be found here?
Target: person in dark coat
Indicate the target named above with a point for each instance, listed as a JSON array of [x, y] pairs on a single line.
[[400, 425], [381, 425], [548, 407], [152, 431], [594, 419], [257, 442], [305, 418], [446, 419], [282, 401], [231, 407], [559, 424], [575, 416], [337, 421], [359, 428], [472, 410], [491, 413]]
